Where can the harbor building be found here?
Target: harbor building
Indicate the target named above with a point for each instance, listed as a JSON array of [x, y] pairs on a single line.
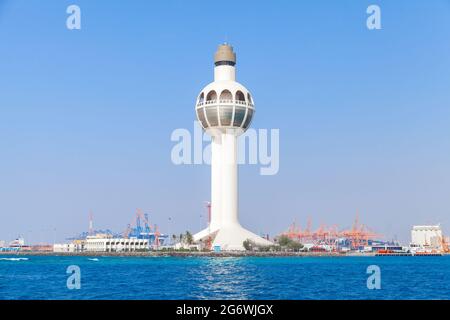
[[103, 244], [427, 236], [75, 246], [94, 244]]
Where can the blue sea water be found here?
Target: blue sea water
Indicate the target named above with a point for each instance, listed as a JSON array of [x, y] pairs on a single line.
[[224, 278]]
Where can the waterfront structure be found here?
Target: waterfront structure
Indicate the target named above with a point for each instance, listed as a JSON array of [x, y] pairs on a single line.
[[38, 248], [427, 236], [75, 246], [17, 243], [103, 243], [225, 110], [95, 244], [4, 247]]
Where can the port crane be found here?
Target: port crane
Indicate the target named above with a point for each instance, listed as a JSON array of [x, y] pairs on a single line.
[[357, 236], [209, 240], [445, 245], [91, 223], [139, 226]]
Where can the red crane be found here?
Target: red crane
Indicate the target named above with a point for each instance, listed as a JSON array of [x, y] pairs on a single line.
[[91, 223], [209, 240]]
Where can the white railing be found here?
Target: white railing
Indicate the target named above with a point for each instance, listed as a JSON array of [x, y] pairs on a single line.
[[225, 101]]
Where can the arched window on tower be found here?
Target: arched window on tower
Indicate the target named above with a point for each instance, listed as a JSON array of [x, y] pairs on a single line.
[[226, 96], [201, 98], [249, 99], [211, 97], [240, 97]]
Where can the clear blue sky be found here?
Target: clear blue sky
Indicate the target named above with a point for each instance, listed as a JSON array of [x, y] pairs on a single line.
[[86, 116]]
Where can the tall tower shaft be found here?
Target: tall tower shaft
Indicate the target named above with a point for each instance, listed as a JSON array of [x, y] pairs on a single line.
[[225, 110]]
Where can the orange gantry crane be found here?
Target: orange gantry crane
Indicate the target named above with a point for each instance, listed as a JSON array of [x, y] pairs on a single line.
[[157, 235], [358, 236], [445, 245], [209, 240]]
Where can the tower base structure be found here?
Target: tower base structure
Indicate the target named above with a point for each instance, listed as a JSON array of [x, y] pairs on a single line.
[[230, 238]]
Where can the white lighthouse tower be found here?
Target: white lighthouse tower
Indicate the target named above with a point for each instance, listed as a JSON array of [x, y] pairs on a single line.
[[225, 109]]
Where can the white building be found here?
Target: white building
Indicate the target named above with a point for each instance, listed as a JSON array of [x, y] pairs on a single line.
[[426, 237], [64, 247], [102, 243], [95, 244], [225, 110], [75, 246]]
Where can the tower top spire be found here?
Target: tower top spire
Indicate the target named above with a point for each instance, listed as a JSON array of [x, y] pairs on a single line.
[[225, 55]]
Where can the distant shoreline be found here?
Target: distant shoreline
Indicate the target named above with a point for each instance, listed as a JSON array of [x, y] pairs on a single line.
[[187, 254], [193, 254]]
